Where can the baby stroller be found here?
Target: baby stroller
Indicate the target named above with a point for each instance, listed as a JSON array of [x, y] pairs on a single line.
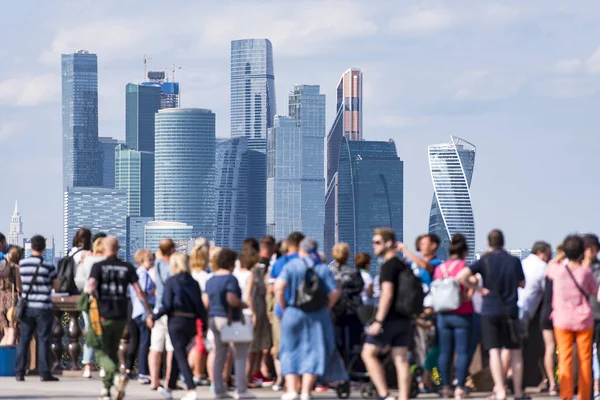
[[357, 371]]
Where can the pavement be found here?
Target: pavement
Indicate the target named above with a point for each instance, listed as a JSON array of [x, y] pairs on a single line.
[[88, 389]]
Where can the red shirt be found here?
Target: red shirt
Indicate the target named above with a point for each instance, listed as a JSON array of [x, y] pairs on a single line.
[[451, 268]]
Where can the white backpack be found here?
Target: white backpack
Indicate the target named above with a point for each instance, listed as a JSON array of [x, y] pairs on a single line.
[[445, 292]]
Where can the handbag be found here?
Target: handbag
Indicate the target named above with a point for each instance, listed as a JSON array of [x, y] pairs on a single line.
[[22, 303], [445, 292], [11, 314], [237, 331]]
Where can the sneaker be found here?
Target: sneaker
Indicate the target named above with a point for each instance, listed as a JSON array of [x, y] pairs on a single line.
[[277, 388], [190, 395], [321, 389], [121, 381], [144, 379], [87, 373], [102, 373], [104, 394], [305, 396], [266, 382], [245, 395], [165, 393], [290, 396]]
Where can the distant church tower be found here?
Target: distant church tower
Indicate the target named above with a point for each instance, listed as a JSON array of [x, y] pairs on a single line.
[[15, 235]]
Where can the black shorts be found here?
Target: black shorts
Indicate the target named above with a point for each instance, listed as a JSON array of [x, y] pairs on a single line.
[[495, 333], [396, 333]]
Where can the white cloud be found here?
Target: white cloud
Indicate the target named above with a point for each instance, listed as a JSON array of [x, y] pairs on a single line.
[[424, 21], [28, 91], [568, 66], [484, 85], [593, 63]]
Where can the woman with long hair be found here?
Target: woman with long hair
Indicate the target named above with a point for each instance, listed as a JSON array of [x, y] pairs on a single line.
[[199, 265], [10, 288]]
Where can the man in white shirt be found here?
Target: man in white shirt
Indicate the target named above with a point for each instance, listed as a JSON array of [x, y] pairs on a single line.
[[534, 268]]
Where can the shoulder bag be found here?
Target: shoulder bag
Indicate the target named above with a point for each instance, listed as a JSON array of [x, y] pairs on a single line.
[[445, 292], [236, 331], [583, 293], [22, 303]]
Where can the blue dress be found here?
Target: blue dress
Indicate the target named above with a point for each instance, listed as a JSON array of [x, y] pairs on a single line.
[[307, 338]]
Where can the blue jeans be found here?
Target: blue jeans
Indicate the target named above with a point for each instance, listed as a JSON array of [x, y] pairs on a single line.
[[454, 332], [475, 336], [88, 352], [144, 346], [40, 321]]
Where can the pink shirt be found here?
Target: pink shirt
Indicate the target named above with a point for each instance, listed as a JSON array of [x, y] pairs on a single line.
[[451, 268], [571, 311]]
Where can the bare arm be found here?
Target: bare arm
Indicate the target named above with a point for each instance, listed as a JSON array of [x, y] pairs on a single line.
[[234, 301], [421, 262], [279, 287], [249, 289], [92, 285], [369, 290], [385, 301], [142, 296], [205, 300], [521, 284], [333, 297]]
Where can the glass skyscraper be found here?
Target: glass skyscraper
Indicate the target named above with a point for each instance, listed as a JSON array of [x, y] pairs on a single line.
[[295, 159], [169, 91], [185, 168], [451, 165], [107, 147], [135, 235], [99, 209], [370, 192], [231, 188], [82, 160], [134, 172], [253, 104], [156, 231], [141, 103]]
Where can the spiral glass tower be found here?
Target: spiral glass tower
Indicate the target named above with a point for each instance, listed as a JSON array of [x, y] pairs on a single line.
[[451, 166]]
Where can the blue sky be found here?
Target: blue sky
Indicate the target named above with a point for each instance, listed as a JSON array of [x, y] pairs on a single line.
[[520, 80]]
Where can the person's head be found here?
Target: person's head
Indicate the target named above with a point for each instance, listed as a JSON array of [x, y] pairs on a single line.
[[213, 256], [543, 250], [384, 240], [574, 248], [592, 246], [418, 242], [3, 244], [38, 245], [143, 258], [496, 239], [309, 247], [429, 244], [249, 256], [341, 253], [99, 235], [199, 258], [458, 247], [166, 247], [111, 246], [267, 246], [362, 261], [98, 247], [293, 241], [83, 239], [179, 264], [226, 259], [282, 248], [15, 254]]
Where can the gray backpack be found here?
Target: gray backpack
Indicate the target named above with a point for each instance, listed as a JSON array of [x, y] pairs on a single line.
[[445, 292]]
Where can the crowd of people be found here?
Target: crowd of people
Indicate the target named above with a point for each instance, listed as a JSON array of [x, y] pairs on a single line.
[[279, 315]]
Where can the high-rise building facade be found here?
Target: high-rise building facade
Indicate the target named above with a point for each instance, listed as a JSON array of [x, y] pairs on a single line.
[[253, 105], [156, 231], [98, 209], [82, 160], [134, 173], [370, 192], [107, 147], [347, 124], [451, 166], [135, 235], [295, 158], [15, 233], [185, 168], [231, 188], [169, 91], [142, 102]]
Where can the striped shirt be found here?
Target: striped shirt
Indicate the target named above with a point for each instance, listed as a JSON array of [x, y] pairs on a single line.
[[42, 287]]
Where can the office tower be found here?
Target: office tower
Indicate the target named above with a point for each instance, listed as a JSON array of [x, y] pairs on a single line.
[[169, 91], [451, 166], [257, 194], [134, 173], [135, 235], [185, 168], [252, 91], [231, 188], [156, 231], [295, 158], [142, 102], [370, 192], [346, 124], [49, 253], [99, 209], [82, 160], [15, 233], [107, 147]]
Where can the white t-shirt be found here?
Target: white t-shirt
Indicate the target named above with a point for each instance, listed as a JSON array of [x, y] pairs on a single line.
[[368, 280], [477, 299], [201, 277], [242, 275]]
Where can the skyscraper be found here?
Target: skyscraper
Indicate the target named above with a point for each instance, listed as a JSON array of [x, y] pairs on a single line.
[[295, 158], [231, 192], [82, 160], [252, 91], [142, 102], [346, 124], [451, 166], [99, 209], [169, 91], [156, 231], [185, 168], [15, 234], [107, 147], [134, 173], [370, 192], [135, 236]]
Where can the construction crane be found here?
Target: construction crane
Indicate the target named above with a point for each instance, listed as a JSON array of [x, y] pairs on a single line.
[[172, 68], [146, 58]]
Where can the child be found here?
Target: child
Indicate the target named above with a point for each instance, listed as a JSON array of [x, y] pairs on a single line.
[[426, 321]]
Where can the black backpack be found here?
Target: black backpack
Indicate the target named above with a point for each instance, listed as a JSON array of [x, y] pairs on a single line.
[[409, 293], [310, 295], [66, 275]]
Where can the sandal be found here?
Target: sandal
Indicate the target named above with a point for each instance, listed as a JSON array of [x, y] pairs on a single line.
[[460, 394]]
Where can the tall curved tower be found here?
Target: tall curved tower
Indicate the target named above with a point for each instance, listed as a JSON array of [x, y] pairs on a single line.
[[451, 166]]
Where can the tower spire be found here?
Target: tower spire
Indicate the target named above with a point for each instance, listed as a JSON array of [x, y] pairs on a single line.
[[16, 206]]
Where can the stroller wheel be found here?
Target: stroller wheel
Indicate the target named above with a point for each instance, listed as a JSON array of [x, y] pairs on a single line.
[[343, 390], [367, 390]]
